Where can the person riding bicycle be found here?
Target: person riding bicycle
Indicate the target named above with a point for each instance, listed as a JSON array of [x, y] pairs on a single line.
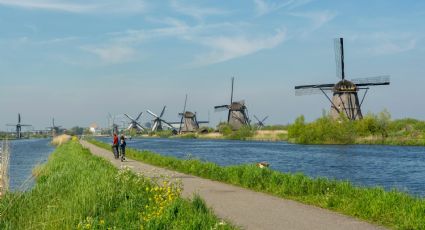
[[122, 147]]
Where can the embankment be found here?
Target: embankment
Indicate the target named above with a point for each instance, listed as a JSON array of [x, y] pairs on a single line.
[[76, 190]]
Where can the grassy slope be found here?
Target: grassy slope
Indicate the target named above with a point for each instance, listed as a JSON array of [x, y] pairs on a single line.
[[78, 190], [392, 209]]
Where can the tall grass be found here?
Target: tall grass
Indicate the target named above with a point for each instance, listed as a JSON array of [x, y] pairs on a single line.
[[390, 208], [76, 190], [4, 167], [61, 139]]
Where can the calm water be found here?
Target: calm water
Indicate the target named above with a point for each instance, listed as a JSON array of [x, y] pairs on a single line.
[[370, 165], [24, 155]]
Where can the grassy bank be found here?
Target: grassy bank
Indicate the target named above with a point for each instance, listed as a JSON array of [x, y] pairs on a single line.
[[372, 129], [392, 209], [76, 190]]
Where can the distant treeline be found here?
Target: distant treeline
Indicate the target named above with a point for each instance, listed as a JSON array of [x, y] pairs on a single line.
[[372, 129]]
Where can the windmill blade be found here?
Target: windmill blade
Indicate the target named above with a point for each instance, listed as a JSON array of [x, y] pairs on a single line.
[[10, 124], [155, 125], [231, 94], [140, 127], [371, 81], [220, 108], [128, 117], [130, 126], [19, 118], [314, 86], [264, 119], [162, 112], [151, 113], [312, 89], [256, 118], [168, 124], [339, 57], [138, 117], [203, 122], [26, 125]]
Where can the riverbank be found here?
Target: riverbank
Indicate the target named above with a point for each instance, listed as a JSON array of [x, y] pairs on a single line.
[[389, 208], [76, 190], [257, 135], [4, 167]]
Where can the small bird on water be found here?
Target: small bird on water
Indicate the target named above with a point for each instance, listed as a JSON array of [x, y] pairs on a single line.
[[263, 164]]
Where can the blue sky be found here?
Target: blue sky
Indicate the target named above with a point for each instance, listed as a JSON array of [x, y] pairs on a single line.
[[77, 61]]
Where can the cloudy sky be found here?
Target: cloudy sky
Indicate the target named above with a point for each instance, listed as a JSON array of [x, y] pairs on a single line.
[[79, 60]]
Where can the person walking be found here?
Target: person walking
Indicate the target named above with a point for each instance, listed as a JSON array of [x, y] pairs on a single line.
[[115, 146], [122, 147]]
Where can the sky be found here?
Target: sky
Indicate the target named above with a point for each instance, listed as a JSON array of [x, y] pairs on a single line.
[[79, 60]]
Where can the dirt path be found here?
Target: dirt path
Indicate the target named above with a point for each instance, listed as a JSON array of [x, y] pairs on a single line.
[[245, 208]]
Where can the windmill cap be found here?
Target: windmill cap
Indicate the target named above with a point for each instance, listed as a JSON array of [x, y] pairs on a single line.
[[345, 86]]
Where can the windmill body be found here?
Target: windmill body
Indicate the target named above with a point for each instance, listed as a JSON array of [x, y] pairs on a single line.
[[237, 112], [345, 99], [238, 116], [189, 122]]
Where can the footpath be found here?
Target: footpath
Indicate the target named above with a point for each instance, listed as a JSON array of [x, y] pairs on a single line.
[[243, 207]]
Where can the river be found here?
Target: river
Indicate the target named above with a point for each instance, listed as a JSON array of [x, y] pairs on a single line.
[[24, 155]]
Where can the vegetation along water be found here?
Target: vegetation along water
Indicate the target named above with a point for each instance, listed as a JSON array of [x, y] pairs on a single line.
[[394, 209]]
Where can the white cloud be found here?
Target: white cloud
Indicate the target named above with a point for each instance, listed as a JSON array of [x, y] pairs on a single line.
[[317, 18], [227, 48], [263, 7], [195, 11], [112, 54], [392, 47], [98, 6]]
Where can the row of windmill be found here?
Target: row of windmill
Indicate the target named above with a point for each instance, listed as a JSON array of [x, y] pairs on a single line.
[[54, 129], [345, 101], [237, 117]]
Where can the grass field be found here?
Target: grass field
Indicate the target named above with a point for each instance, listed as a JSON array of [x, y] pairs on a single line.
[[393, 209], [76, 190]]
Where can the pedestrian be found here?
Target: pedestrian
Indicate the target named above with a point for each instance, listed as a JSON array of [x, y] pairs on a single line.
[[115, 146], [122, 147]]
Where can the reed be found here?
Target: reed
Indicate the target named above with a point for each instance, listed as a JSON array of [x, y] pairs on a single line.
[[76, 190], [4, 167], [393, 209], [61, 139]]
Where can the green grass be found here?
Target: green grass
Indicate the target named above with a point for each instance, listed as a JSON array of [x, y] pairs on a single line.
[[76, 190], [389, 208]]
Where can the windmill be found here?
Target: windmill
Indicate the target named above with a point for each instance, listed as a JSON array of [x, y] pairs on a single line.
[[189, 122], [158, 121], [345, 98], [134, 123], [18, 127], [260, 123], [238, 112], [54, 129], [111, 124]]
